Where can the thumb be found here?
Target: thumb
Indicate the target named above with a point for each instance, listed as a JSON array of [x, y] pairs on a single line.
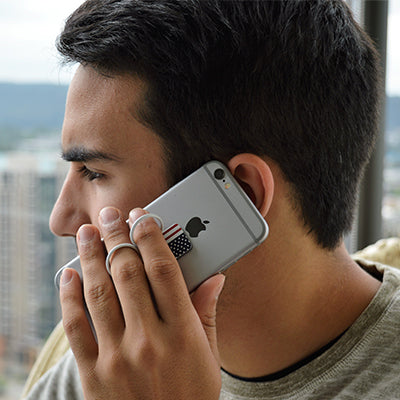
[[205, 300]]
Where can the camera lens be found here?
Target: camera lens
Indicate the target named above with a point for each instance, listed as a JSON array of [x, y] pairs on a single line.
[[219, 174]]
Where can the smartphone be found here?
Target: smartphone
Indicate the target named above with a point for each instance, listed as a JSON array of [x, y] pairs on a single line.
[[209, 223]]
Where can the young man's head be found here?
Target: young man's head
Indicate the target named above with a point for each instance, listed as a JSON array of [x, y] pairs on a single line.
[[295, 82]]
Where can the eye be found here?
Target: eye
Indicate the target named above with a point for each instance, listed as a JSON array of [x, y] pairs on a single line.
[[89, 174]]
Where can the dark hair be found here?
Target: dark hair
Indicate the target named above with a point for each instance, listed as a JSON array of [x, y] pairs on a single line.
[[297, 81]]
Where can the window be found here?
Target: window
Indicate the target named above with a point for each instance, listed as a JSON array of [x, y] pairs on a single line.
[[391, 199], [31, 174]]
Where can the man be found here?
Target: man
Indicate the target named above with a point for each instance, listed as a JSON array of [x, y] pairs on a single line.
[[286, 95]]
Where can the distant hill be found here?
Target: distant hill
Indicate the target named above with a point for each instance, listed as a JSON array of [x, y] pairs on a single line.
[[40, 108], [32, 106], [392, 113]]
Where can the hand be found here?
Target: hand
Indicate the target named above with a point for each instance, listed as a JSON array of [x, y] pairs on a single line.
[[155, 341]]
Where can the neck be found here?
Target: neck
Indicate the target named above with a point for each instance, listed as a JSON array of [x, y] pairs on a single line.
[[274, 314]]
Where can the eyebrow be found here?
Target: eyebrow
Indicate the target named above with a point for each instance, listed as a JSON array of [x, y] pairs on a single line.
[[81, 154]]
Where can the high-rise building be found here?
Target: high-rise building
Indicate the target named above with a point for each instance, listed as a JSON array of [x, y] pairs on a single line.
[[30, 255]]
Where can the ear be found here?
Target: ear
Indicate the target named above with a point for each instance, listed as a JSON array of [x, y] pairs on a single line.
[[255, 177]]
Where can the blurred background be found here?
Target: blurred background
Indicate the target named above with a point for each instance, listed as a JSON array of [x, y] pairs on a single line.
[[33, 90]]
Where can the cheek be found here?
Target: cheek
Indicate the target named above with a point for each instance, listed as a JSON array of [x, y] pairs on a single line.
[[101, 199], [125, 200], [137, 196]]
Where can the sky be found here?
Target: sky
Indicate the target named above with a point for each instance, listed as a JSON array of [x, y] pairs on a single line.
[[28, 31], [29, 28]]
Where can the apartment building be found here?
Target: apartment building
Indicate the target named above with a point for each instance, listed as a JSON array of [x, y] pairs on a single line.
[[30, 254]]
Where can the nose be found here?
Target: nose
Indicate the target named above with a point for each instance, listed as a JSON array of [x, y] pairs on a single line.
[[69, 211]]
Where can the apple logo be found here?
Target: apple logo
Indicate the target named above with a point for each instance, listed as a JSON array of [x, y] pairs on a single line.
[[195, 226]]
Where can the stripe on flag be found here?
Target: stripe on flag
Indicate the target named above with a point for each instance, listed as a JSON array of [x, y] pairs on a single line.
[[177, 240]]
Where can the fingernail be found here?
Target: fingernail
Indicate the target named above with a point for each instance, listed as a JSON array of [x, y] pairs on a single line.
[[109, 215], [66, 277], [135, 214], [85, 234]]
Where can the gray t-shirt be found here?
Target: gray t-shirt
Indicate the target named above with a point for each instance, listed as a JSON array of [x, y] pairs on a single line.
[[363, 364]]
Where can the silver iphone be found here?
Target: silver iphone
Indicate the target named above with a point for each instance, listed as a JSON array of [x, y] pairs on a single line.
[[209, 223]]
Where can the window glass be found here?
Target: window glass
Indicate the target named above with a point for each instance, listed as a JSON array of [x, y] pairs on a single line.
[[32, 98], [33, 89], [391, 199]]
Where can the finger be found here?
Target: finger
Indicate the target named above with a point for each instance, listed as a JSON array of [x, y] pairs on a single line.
[[76, 324], [205, 300], [127, 269], [162, 269], [100, 295]]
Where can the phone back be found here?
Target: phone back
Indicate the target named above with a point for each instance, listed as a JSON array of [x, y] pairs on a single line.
[[219, 222], [209, 223]]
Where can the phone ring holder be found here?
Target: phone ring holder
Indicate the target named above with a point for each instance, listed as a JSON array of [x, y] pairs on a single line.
[[133, 244], [114, 249], [141, 218]]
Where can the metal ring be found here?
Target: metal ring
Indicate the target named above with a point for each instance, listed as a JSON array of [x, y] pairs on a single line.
[[114, 249], [141, 218]]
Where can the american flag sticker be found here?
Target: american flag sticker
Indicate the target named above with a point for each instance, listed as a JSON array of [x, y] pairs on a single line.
[[177, 241]]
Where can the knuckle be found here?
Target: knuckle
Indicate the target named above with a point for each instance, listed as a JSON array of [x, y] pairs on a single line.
[[145, 231], [163, 270], [98, 293], [208, 321], [73, 324], [148, 353], [115, 235], [115, 361], [126, 272]]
